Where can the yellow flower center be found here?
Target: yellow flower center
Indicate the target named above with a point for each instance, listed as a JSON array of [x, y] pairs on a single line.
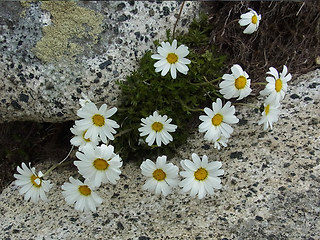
[[201, 174], [33, 181], [240, 82], [254, 19], [157, 126], [85, 139], [217, 119], [267, 109], [278, 85], [159, 175], [172, 58], [100, 164], [84, 190], [98, 120]]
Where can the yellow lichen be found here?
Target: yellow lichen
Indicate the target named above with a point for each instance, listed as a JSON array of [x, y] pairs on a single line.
[[70, 26], [25, 4]]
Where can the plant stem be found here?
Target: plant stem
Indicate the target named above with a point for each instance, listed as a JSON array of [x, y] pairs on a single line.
[[122, 109], [208, 82], [179, 15], [56, 165], [123, 132], [259, 83]]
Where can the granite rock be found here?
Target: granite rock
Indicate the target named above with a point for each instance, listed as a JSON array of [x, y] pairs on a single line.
[[270, 187], [52, 51]]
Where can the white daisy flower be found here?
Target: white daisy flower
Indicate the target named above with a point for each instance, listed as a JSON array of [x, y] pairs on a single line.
[[96, 122], [236, 84], [216, 122], [162, 176], [83, 101], [277, 85], [81, 194], [157, 128], [222, 140], [79, 140], [201, 177], [270, 114], [250, 19], [171, 58], [32, 184], [99, 164]]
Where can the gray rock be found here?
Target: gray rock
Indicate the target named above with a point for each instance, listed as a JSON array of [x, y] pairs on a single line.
[[270, 188], [52, 51]]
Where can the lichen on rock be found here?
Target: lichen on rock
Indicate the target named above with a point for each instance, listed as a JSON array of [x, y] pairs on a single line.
[[72, 27], [52, 51]]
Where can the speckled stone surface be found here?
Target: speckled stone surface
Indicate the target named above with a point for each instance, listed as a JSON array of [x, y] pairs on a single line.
[[43, 80], [271, 188]]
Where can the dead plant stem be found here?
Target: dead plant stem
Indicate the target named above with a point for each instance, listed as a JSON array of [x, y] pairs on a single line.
[[179, 15]]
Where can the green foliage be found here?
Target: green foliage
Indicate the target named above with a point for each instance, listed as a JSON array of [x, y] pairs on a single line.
[[180, 99]]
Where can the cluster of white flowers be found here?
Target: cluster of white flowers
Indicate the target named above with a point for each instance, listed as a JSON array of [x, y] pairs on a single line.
[[200, 176], [99, 164], [275, 91], [237, 85]]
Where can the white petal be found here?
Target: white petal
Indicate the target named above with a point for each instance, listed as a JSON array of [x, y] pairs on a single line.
[[250, 29], [244, 21], [173, 71], [165, 69]]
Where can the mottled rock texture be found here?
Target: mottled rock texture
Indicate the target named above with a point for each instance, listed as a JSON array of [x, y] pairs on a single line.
[[270, 188], [52, 51]]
